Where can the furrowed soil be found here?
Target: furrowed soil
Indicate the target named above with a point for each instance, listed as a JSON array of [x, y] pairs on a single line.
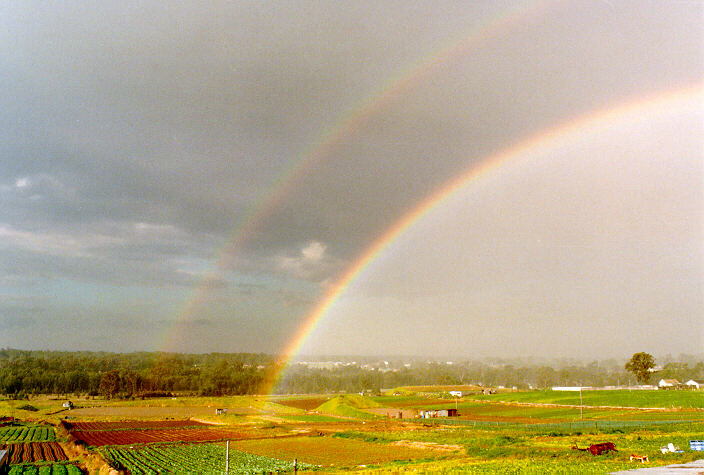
[[120, 425], [34, 452], [128, 437]]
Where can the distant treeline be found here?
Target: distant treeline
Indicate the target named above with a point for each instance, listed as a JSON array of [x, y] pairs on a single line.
[[353, 379], [125, 375], [128, 374]]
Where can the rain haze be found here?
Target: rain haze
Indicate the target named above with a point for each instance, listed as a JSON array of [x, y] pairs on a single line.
[[194, 178]]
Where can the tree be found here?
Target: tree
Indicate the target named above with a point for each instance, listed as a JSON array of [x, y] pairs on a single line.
[[109, 384], [640, 365]]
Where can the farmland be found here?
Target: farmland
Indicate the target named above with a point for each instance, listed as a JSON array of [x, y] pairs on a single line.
[[510, 432], [617, 398], [121, 425], [129, 437], [34, 452], [51, 469], [193, 458], [27, 434]]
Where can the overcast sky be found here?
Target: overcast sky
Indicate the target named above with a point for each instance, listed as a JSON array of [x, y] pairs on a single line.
[[196, 179]]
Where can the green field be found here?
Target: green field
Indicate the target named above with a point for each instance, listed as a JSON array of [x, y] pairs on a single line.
[[50, 469], [616, 398], [507, 450], [350, 405], [193, 458], [29, 433], [310, 418]]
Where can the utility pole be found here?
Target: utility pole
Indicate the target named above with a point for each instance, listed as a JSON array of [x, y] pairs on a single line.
[[227, 457], [581, 407]]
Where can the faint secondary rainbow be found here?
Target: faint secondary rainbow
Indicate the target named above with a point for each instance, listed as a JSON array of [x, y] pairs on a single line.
[[543, 141], [353, 119]]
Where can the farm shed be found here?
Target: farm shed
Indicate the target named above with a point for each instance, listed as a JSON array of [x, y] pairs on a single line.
[[669, 384], [438, 413], [67, 405], [220, 411], [456, 393], [695, 384]]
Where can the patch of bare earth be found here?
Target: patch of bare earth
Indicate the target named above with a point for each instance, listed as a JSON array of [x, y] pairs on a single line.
[[393, 412], [307, 404], [427, 445], [328, 451]]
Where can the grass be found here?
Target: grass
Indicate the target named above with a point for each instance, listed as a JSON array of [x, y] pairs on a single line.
[[617, 398], [310, 418], [349, 405], [512, 451]]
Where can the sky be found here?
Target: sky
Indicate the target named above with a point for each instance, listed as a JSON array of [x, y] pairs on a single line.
[[201, 178]]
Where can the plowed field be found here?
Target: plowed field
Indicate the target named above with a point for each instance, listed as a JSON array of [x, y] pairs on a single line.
[[121, 425], [128, 437], [35, 452]]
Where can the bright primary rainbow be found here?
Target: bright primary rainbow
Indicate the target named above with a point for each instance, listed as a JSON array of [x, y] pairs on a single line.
[[544, 141], [352, 120]]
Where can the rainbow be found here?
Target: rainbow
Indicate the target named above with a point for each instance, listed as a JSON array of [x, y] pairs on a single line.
[[352, 120], [546, 140]]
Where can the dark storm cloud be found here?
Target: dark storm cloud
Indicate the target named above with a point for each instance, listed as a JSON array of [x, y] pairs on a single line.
[[136, 139]]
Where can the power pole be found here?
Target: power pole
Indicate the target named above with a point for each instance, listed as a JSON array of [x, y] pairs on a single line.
[[581, 407], [227, 457]]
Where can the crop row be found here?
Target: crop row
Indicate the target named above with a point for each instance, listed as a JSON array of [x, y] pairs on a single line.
[[122, 425], [193, 458], [27, 434], [54, 469], [129, 437], [34, 452]]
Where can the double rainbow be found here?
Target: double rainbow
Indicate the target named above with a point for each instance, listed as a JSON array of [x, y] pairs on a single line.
[[541, 142], [345, 126]]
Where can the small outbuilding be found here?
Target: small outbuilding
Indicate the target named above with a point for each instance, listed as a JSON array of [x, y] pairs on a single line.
[[67, 405], [438, 413], [695, 384], [221, 411], [669, 384]]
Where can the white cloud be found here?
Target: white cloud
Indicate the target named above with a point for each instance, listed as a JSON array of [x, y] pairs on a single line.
[[55, 243], [314, 252], [309, 262]]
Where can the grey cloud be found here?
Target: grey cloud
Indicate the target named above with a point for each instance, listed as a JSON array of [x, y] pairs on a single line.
[[15, 322], [186, 118]]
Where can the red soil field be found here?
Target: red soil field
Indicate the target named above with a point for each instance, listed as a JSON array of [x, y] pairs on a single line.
[[128, 437], [35, 452], [104, 425]]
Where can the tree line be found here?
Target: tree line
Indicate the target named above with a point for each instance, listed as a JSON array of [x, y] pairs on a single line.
[[128, 374], [144, 374]]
